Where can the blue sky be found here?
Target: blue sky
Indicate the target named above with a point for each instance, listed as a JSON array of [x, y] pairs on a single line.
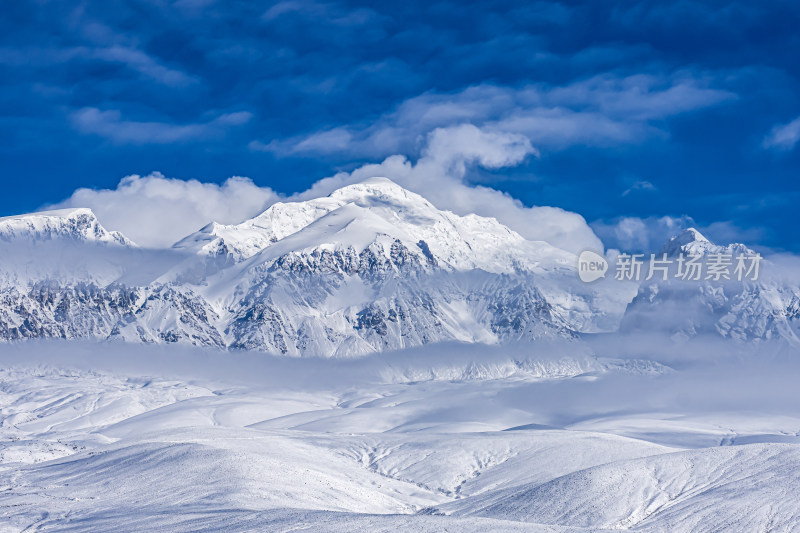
[[641, 116]]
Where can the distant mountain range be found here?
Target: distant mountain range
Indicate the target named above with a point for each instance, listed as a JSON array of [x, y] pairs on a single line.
[[370, 267]]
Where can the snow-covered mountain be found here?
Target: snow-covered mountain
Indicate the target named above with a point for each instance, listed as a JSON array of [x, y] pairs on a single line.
[[66, 248], [538, 433], [744, 310], [370, 267], [358, 214], [691, 242], [74, 224]]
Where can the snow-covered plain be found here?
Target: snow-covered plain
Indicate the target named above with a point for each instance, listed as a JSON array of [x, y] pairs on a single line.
[[550, 436]]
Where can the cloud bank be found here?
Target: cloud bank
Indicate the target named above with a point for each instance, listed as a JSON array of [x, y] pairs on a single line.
[[439, 176], [648, 234], [155, 211], [602, 89], [604, 110]]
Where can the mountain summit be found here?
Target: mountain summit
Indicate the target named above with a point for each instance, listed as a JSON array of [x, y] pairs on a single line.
[[742, 309], [692, 242], [378, 209]]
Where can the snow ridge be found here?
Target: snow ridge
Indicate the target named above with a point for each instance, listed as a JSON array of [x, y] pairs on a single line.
[[79, 224]]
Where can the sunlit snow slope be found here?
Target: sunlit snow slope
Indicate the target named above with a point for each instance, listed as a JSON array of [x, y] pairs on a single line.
[[141, 439]]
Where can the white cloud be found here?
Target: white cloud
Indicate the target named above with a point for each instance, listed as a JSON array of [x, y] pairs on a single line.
[[112, 126], [155, 211], [634, 234], [725, 232], [330, 141], [783, 136], [456, 147], [144, 64], [129, 56], [641, 185], [605, 110], [438, 175], [332, 13]]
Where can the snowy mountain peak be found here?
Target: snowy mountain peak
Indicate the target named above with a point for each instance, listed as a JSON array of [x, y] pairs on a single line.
[[370, 267], [377, 191], [79, 224], [692, 242], [690, 235], [449, 240], [349, 226], [678, 243], [749, 304]]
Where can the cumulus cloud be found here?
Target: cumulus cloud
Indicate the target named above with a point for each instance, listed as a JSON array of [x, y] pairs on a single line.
[[111, 125], [155, 211], [783, 136], [604, 110], [456, 147]]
